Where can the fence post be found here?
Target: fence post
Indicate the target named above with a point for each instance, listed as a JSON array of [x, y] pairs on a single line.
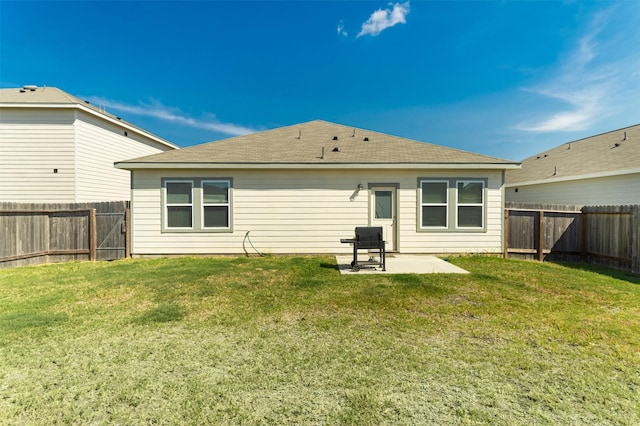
[[93, 238], [127, 235], [635, 239], [541, 235], [583, 235], [506, 233]]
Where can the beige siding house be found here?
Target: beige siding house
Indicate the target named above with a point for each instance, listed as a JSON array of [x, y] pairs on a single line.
[[300, 188], [600, 170], [55, 147]]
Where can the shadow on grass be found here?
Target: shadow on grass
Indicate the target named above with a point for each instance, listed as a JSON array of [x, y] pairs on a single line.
[[333, 266], [22, 320], [167, 312], [603, 270]]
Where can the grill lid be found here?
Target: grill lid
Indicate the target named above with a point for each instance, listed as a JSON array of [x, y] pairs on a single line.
[[369, 233]]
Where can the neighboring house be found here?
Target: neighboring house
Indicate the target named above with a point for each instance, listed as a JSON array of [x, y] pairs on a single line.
[[299, 189], [55, 147], [600, 170]]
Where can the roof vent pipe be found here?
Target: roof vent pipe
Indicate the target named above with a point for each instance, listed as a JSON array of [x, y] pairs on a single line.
[[625, 136]]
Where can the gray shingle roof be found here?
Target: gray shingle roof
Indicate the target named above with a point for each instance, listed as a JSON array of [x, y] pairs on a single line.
[[305, 143], [600, 154], [44, 95]]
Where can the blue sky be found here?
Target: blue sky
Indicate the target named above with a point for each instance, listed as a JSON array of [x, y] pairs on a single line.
[[504, 78]]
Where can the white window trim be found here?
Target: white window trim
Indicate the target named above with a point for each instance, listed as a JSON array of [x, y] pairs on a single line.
[[481, 205], [197, 206], [227, 204], [445, 204], [167, 205]]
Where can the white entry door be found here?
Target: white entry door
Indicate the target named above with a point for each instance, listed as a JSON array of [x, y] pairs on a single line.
[[383, 212]]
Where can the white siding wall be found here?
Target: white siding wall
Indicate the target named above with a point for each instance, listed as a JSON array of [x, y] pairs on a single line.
[[305, 212], [34, 142], [615, 190], [98, 145]]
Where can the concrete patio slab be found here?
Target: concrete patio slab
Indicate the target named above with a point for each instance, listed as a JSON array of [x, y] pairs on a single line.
[[401, 264]]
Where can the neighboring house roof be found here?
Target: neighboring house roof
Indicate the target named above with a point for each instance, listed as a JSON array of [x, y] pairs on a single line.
[[315, 144], [607, 154], [52, 97]]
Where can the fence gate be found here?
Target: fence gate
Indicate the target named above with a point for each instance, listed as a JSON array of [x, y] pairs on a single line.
[[111, 235]]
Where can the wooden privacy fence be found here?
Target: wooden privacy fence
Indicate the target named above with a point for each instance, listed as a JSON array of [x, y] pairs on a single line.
[[605, 235], [41, 233]]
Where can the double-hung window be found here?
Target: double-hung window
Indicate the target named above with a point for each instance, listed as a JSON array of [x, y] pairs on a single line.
[[434, 203], [179, 204], [450, 205], [470, 204], [197, 205], [215, 204]]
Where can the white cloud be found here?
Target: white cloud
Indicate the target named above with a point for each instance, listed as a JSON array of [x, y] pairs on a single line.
[[562, 121], [381, 19], [157, 110], [583, 100], [341, 31]]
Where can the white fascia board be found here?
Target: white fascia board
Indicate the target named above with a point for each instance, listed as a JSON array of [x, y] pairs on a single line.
[[97, 114], [576, 177], [218, 166]]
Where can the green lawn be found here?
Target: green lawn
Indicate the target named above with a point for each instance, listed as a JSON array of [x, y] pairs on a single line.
[[289, 340]]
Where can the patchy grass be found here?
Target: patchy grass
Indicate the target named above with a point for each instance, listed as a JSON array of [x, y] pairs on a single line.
[[289, 340]]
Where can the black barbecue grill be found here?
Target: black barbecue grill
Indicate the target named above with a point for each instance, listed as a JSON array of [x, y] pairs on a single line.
[[367, 238]]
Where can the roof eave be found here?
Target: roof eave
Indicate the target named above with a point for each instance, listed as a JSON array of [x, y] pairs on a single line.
[[148, 166], [574, 177]]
